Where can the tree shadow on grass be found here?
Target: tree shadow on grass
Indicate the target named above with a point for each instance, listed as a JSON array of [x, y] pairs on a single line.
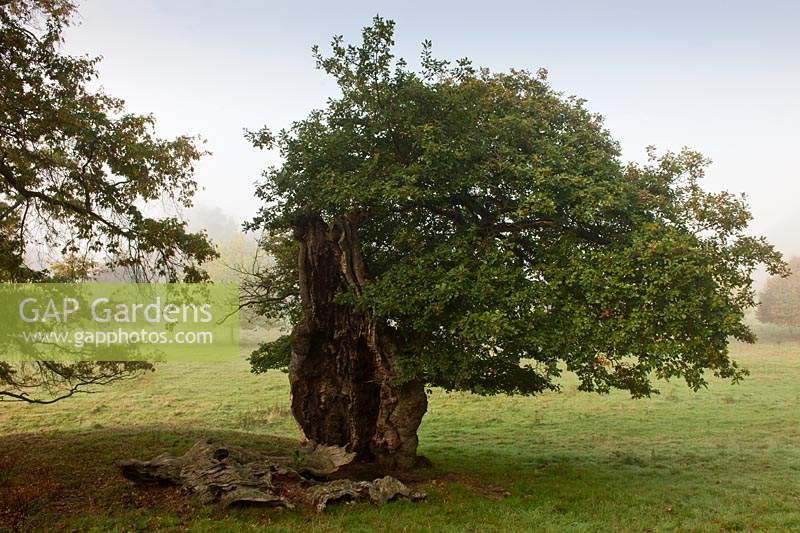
[[51, 476], [60, 478]]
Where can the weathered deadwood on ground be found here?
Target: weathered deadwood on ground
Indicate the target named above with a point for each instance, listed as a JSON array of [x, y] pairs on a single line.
[[232, 475], [343, 372]]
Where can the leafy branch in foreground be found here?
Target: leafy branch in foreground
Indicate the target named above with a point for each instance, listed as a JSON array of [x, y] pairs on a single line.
[[46, 382], [75, 170], [75, 167]]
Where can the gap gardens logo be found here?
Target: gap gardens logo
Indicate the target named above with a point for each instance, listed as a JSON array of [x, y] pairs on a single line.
[[119, 321]]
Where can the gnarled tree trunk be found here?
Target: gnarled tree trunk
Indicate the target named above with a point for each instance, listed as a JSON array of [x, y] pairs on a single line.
[[343, 365]]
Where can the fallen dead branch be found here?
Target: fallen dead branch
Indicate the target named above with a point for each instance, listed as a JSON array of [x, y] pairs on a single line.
[[232, 475]]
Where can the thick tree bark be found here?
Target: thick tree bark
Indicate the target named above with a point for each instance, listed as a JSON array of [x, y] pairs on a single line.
[[344, 365]]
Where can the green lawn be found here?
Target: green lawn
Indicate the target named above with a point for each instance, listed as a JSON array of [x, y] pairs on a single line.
[[726, 458]]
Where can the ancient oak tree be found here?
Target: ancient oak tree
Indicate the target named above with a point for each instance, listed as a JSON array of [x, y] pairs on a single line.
[[478, 231]]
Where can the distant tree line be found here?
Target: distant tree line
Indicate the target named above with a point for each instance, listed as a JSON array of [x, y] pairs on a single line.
[[780, 298]]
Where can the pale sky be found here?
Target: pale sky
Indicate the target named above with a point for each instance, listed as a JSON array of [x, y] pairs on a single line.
[[720, 77]]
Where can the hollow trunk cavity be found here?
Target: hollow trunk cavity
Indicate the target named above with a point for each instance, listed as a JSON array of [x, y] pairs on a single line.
[[344, 365]]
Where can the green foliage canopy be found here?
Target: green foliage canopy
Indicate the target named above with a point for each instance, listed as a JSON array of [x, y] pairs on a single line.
[[76, 168], [504, 237]]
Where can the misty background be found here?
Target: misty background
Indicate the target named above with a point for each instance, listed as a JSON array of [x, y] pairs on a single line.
[[719, 77]]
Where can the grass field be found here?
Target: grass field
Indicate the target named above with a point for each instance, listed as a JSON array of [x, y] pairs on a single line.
[[723, 459]]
